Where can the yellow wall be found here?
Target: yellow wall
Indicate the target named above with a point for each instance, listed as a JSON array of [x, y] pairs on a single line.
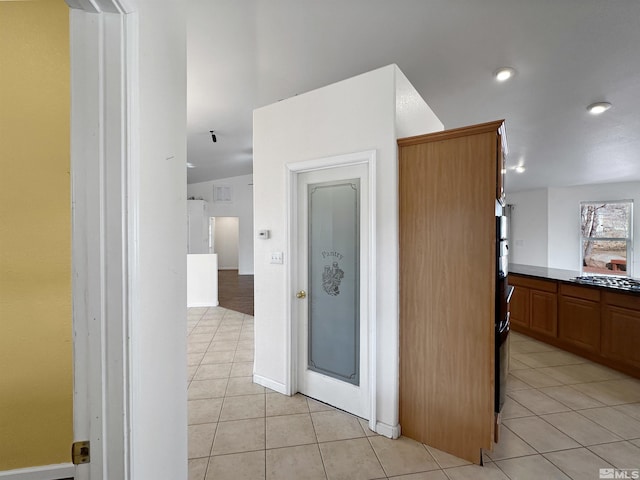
[[36, 423]]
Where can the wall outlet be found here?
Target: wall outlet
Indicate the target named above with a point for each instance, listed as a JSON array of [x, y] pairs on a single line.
[[277, 257]]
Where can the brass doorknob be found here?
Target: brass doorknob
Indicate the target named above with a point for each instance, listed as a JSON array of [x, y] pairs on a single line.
[[301, 294]]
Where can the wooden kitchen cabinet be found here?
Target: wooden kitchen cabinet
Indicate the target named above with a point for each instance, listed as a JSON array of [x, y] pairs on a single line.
[[579, 313], [448, 191], [601, 324], [534, 304], [621, 328], [519, 307], [544, 312]]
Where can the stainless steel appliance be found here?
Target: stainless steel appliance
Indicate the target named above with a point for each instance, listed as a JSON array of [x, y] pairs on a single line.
[[503, 296]]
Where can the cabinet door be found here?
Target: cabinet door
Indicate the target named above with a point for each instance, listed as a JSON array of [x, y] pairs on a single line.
[[580, 323], [543, 312], [621, 334], [519, 307]]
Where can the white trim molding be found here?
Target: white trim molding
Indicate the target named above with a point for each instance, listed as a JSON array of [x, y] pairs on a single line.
[[367, 157], [103, 38], [390, 431], [272, 384], [103, 6], [46, 472]]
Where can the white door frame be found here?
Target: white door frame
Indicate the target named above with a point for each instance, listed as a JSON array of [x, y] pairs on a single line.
[[104, 166], [293, 169]]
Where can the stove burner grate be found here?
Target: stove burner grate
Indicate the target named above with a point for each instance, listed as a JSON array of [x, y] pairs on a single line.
[[608, 281]]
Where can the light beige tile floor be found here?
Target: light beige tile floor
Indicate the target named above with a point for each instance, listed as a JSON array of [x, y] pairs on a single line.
[[565, 418]]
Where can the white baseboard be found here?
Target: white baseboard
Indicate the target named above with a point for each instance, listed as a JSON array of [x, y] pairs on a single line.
[[46, 472], [389, 431], [273, 385]]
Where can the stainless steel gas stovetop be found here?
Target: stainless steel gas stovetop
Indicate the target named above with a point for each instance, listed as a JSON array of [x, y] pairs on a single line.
[[622, 283]]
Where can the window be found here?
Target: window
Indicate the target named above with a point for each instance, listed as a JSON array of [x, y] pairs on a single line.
[[606, 237]]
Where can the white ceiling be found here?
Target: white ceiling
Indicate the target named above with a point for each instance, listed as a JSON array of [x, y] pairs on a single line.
[[244, 54]]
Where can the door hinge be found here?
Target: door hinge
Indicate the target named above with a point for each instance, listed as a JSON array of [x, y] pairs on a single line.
[[80, 452]]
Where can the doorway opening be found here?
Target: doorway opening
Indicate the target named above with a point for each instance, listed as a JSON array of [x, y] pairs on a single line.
[[235, 291], [327, 236], [225, 241]]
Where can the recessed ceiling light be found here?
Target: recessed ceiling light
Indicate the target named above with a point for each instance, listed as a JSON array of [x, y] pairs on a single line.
[[504, 73], [598, 108], [190, 165], [519, 168]]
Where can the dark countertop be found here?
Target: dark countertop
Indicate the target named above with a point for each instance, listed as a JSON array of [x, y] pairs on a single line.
[[565, 276], [544, 272]]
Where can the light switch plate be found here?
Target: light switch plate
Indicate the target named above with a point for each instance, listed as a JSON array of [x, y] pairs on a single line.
[[277, 257]]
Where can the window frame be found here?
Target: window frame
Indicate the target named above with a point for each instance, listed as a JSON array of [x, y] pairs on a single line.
[[629, 239]]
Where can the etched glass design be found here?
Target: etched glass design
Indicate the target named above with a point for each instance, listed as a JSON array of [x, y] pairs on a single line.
[[334, 279]]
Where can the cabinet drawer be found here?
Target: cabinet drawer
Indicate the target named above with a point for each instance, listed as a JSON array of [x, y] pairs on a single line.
[[533, 283], [630, 301], [585, 293]]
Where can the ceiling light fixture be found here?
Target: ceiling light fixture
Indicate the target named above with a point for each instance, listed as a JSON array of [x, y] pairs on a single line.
[[504, 73], [598, 108], [213, 136]]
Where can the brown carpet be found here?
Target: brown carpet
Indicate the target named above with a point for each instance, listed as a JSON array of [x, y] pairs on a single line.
[[235, 292]]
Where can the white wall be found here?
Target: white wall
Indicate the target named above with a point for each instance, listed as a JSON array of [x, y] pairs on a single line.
[[241, 207], [529, 241], [354, 115], [158, 331], [547, 222], [226, 242], [564, 220], [413, 115], [202, 280]]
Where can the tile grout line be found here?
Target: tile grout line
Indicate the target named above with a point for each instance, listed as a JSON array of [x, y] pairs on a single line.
[[578, 446], [265, 436], [562, 382], [198, 367], [208, 345], [572, 438], [315, 433], [519, 437], [603, 426]]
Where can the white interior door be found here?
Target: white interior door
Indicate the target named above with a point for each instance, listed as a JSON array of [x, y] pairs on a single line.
[[332, 282]]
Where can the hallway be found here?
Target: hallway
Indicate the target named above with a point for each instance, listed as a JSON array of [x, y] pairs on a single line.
[[235, 292], [565, 418]]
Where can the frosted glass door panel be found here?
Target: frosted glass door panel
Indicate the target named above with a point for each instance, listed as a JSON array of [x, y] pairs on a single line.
[[334, 279]]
